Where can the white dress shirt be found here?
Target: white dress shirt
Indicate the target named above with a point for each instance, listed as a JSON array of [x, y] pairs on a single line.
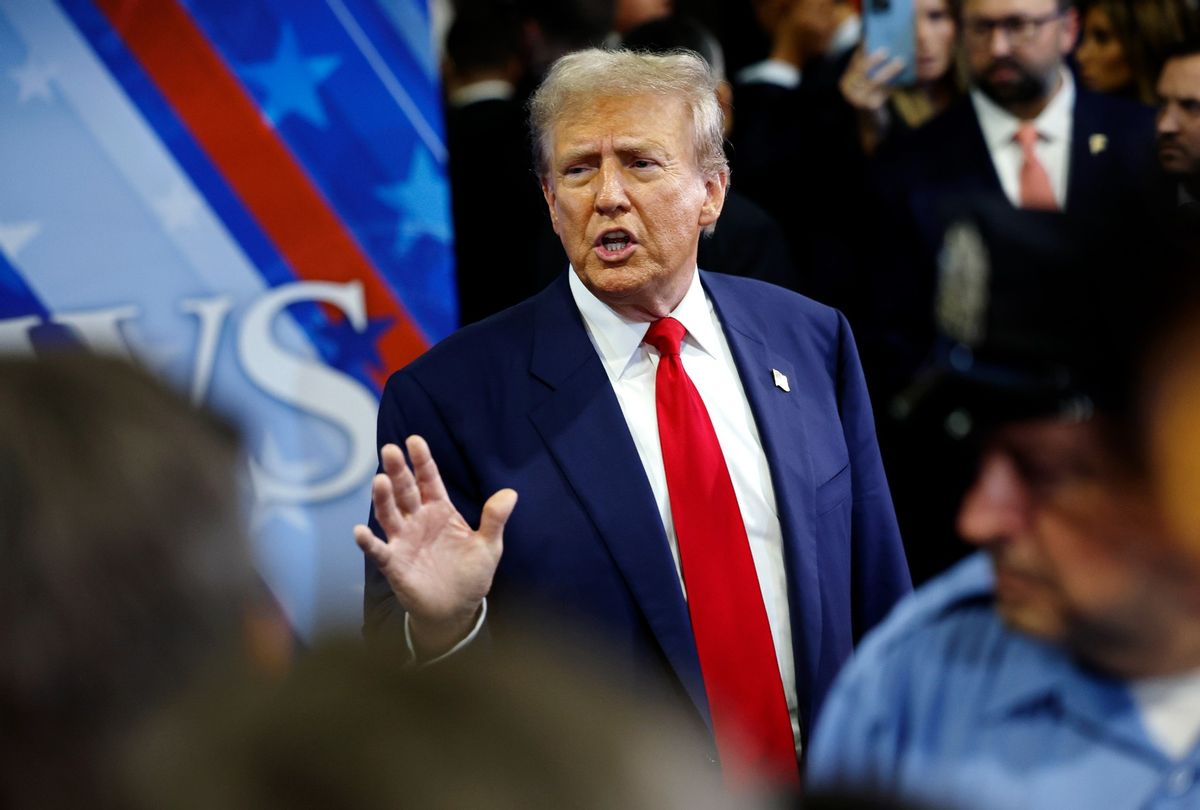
[[1053, 148], [631, 366], [1170, 710]]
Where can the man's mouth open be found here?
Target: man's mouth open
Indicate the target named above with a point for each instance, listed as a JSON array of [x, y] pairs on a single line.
[[615, 245]]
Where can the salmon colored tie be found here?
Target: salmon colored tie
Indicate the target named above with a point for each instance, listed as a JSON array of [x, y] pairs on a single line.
[[750, 717], [1036, 191]]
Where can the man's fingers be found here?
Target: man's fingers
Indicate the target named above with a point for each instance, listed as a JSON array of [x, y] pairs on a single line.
[[408, 497], [429, 480], [387, 512], [496, 513], [375, 549]]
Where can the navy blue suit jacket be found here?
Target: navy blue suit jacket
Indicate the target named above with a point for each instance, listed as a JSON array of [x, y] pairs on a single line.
[[522, 400], [1111, 166], [923, 180]]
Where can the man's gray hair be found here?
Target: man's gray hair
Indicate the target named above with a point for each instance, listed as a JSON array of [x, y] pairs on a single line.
[[593, 73]]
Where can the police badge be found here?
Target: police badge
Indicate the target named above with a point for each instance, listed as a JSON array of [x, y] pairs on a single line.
[[962, 293]]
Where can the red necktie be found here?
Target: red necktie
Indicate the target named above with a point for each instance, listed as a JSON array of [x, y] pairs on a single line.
[[750, 717], [1035, 188]]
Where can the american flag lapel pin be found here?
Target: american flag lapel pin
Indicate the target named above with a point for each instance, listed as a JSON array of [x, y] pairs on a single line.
[[781, 380]]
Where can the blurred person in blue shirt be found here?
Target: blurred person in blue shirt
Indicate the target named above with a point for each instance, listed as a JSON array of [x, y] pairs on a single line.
[[1060, 667]]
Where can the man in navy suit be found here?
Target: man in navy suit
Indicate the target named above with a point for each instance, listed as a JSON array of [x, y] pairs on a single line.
[[556, 399], [1026, 135], [1096, 152]]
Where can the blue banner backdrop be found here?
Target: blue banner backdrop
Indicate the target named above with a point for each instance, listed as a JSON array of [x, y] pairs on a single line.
[[250, 198]]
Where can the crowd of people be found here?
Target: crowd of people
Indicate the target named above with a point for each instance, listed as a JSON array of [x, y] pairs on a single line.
[[838, 189], [771, 338]]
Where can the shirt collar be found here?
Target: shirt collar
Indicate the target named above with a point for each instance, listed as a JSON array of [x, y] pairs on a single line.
[[487, 90], [618, 339], [771, 71], [1031, 675], [1053, 123], [844, 37]]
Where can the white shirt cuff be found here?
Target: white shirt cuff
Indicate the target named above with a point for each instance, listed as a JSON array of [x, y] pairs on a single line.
[[412, 650], [771, 71]]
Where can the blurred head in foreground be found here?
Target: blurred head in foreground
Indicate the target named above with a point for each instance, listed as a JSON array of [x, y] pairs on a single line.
[[353, 730], [1172, 404], [124, 563]]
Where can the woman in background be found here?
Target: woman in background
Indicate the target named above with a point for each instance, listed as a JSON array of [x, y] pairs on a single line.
[[1124, 42], [867, 83]]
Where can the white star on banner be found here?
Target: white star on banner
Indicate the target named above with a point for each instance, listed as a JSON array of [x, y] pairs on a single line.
[[14, 236], [178, 208], [33, 80]]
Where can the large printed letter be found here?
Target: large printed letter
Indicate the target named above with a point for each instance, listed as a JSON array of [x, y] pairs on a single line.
[[311, 386]]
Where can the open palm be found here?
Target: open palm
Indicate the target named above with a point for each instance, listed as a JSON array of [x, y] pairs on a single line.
[[438, 567]]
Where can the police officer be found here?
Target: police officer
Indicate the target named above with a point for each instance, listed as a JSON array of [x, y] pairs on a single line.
[[1059, 667]]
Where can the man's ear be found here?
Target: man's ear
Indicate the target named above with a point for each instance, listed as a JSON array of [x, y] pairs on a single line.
[[714, 197], [1070, 31], [551, 200]]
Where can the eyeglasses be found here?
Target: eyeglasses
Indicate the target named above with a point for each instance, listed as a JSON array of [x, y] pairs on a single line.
[[1018, 29]]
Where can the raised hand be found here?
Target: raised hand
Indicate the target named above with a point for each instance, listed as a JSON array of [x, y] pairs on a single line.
[[438, 567], [867, 82], [866, 86]]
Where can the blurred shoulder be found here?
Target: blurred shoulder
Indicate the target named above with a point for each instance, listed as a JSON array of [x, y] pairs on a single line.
[[950, 616]]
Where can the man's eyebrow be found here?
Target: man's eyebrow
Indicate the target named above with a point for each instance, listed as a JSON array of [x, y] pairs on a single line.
[[627, 145], [1187, 103], [622, 146], [577, 154]]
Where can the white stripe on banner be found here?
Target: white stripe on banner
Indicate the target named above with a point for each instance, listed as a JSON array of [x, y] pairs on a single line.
[[388, 79], [170, 205]]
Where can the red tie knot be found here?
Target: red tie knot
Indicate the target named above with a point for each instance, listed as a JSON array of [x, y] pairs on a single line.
[[1027, 136], [665, 334]]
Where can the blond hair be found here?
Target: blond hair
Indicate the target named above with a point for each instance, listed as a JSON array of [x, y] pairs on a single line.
[[594, 73]]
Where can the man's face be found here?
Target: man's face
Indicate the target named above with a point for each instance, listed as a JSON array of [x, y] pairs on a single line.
[[1072, 532], [1014, 48], [629, 201], [1179, 118]]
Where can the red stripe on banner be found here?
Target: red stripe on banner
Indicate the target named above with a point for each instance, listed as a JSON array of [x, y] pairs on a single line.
[[230, 128]]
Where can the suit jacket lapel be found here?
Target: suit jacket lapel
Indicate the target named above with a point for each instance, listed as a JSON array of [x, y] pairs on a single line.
[[581, 423], [781, 417], [962, 168], [1087, 156], [979, 171]]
